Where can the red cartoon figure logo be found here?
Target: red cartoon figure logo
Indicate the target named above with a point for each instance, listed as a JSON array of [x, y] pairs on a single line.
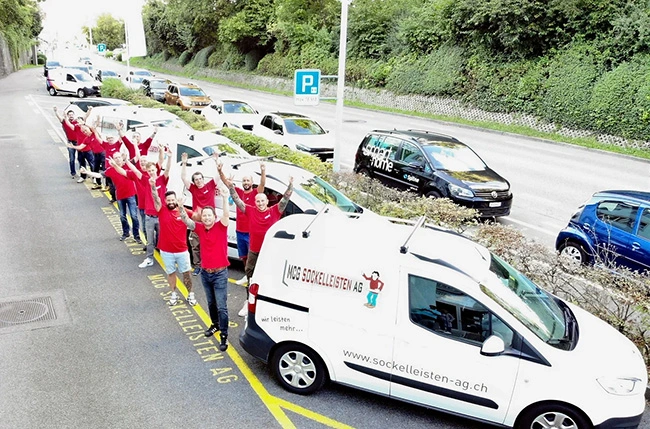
[[376, 286]]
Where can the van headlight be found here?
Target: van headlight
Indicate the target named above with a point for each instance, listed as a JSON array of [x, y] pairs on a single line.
[[622, 386], [303, 148], [458, 191]]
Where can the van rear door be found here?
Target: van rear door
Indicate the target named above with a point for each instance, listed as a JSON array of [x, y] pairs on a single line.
[[437, 359]]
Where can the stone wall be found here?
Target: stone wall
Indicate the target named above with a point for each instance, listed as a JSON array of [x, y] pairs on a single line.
[[6, 63], [417, 103]]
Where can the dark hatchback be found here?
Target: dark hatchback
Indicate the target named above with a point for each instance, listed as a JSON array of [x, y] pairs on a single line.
[[155, 88], [612, 228], [434, 165]]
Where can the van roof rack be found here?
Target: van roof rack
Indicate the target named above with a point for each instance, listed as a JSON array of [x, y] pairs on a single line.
[[404, 247], [248, 161]]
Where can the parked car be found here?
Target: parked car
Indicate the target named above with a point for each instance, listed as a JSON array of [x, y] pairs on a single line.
[[134, 117], [434, 165], [133, 81], [187, 96], [310, 195], [83, 67], [50, 65], [613, 227], [72, 81], [231, 113], [297, 132], [140, 72], [155, 88], [80, 106], [106, 74]]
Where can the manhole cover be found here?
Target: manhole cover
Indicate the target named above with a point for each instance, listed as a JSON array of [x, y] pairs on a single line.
[[31, 310]]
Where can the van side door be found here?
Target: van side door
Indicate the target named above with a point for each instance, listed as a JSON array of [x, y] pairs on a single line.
[[437, 352], [408, 166]]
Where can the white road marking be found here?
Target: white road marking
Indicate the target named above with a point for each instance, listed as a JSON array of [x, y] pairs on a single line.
[[57, 130], [54, 136], [528, 225]]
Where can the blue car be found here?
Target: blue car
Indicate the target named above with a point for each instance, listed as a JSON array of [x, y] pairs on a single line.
[[613, 228]]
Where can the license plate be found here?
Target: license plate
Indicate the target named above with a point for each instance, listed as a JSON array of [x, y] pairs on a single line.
[[496, 204]]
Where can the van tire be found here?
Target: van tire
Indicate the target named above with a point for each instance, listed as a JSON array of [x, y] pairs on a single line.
[[81, 93], [298, 369], [544, 415], [364, 172], [52, 91], [433, 194]]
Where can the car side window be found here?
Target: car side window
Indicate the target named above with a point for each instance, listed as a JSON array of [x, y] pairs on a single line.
[[70, 78], [618, 214], [267, 122], [445, 310], [191, 153], [277, 125], [644, 225], [410, 153], [391, 144]]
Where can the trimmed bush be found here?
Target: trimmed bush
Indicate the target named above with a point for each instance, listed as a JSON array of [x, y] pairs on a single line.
[[201, 58], [166, 55], [185, 58]]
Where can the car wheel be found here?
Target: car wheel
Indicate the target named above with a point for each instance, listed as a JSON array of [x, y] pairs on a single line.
[[433, 194], [364, 172], [553, 416], [81, 93], [224, 125], [52, 91], [574, 252], [299, 369]]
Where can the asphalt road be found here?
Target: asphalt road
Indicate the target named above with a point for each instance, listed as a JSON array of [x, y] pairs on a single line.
[[113, 354]]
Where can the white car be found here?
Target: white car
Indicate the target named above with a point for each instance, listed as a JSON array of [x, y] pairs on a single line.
[[133, 81], [140, 72], [231, 113], [80, 106], [72, 81], [310, 195], [297, 132], [134, 117]]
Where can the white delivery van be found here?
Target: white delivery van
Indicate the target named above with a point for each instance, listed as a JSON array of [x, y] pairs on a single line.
[[72, 81], [427, 316]]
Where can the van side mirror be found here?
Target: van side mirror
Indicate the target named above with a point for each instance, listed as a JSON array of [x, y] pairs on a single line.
[[493, 346], [278, 132], [417, 165]]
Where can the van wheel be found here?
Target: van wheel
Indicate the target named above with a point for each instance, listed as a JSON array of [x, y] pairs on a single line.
[[81, 93], [298, 368], [553, 416], [52, 91], [224, 125], [573, 252], [433, 194], [364, 172]]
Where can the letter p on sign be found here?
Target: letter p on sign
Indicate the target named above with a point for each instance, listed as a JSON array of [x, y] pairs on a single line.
[[306, 89]]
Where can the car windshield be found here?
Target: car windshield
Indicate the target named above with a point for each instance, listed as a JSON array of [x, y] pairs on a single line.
[[158, 84], [303, 127], [236, 107], [172, 123], [137, 79], [53, 64], [529, 304], [192, 92], [319, 192], [83, 77], [142, 73], [453, 157], [107, 73]]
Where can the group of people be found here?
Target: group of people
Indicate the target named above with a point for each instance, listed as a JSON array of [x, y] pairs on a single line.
[[140, 187]]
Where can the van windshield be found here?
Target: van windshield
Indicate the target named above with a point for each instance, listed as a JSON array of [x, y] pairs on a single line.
[[454, 157], [532, 306], [319, 192]]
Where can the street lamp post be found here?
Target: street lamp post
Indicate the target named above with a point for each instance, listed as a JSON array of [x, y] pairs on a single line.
[[340, 87]]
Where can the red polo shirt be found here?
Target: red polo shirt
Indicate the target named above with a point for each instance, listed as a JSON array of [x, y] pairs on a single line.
[[203, 197], [260, 222], [161, 187], [173, 232], [70, 132], [242, 217], [124, 186], [214, 245]]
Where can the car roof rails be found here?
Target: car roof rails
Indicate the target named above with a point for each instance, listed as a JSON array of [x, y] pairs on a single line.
[[431, 132]]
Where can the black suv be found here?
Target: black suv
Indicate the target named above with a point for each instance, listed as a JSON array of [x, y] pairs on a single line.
[[434, 165]]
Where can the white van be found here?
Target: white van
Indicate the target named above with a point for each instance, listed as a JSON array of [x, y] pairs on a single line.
[[427, 316], [72, 81]]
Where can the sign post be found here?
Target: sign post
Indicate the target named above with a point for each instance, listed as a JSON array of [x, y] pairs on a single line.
[[306, 89]]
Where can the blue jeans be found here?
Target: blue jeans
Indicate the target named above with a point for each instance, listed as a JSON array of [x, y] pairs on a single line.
[[72, 157], [153, 229], [130, 205], [86, 159], [216, 292]]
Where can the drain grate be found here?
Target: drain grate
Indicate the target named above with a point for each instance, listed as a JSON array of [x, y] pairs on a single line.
[[26, 311]]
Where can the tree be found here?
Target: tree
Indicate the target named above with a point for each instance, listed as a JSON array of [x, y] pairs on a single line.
[[108, 30]]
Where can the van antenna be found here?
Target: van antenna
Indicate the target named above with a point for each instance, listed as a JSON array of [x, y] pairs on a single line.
[[306, 232], [404, 248]]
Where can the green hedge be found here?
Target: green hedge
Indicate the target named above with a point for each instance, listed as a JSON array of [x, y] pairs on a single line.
[[185, 58]]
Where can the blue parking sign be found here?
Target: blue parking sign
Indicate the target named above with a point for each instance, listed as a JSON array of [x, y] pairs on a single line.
[[101, 47], [306, 90]]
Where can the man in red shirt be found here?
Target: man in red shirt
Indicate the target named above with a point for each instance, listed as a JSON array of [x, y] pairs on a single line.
[[85, 138], [260, 219], [172, 242], [135, 142], [247, 195], [68, 123], [202, 196], [214, 264]]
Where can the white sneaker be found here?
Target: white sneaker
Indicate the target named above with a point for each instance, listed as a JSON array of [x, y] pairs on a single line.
[[243, 281], [244, 310], [191, 300], [173, 300], [80, 180], [146, 263]]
